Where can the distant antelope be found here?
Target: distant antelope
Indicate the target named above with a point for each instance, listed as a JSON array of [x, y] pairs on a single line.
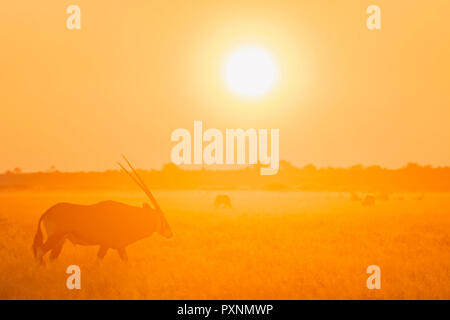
[[109, 224], [222, 200], [368, 201]]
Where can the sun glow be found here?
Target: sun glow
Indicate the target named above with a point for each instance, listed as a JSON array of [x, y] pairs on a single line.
[[250, 71]]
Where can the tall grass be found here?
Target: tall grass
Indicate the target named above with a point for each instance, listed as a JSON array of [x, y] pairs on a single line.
[[271, 245]]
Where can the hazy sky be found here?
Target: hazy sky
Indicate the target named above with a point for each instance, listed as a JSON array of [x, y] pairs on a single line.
[[137, 70]]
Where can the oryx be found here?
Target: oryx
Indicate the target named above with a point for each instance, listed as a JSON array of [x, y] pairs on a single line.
[[222, 200], [108, 224]]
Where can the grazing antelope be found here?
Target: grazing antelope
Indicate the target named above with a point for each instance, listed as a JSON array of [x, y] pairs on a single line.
[[222, 200], [368, 201], [109, 224]]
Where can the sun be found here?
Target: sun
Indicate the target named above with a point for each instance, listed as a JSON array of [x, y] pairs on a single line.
[[250, 71]]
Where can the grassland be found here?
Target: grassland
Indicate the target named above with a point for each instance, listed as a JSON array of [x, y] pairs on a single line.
[[271, 245]]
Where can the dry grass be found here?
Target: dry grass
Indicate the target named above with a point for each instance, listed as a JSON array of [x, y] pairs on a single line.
[[286, 245]]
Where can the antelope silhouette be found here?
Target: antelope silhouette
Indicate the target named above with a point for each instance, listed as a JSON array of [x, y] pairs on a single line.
[[222, 200], [108, 224]]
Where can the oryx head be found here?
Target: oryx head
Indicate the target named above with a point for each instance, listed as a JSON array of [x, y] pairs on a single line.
[[161, 224]]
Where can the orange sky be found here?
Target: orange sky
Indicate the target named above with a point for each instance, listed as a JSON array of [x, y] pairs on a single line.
[[137, 70]]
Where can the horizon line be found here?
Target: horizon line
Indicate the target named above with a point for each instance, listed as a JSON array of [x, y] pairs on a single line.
[[214, 168]]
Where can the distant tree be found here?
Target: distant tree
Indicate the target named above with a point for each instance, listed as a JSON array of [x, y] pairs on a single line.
[[412, 165], [17, 171], [287, 167], [357, 167], [170, 167], [286, 164], [310, 167]]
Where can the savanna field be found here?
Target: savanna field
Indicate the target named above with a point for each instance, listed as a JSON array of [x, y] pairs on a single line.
[[270, 245]]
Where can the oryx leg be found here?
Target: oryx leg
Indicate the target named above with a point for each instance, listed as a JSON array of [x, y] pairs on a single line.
[[56, 250], [102, 252], [123, 254], [52, 242]]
